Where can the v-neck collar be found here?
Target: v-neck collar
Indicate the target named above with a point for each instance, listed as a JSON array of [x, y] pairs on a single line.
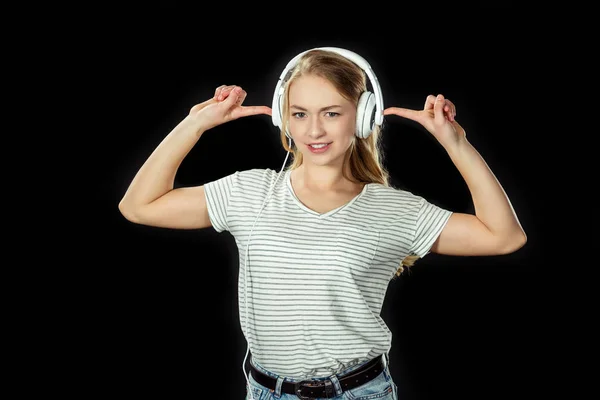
[[288, 181]]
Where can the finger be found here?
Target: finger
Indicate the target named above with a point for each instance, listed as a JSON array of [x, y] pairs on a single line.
[[438, 108], [241, 94], [225, 90], [447, 112], [254, 110], [402, 112], [241, 97], [218, 91], [451, 110], [429, 102], [232, 96]]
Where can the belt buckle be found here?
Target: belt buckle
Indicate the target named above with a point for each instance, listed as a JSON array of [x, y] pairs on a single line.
[[308, 384], [298, 389]]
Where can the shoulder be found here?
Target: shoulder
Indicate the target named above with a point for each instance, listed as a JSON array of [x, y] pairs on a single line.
[[384, 206], [245, 180], [254, 182], [398, 209], [256, 177], [390, 196], [257, 173]]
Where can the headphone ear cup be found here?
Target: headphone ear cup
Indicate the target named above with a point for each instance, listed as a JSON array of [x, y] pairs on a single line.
[[280, 109], [365, 113], [287, 132], [278, 114]]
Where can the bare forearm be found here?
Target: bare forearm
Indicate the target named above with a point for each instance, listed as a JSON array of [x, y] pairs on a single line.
[[157, 175], [492, 205]]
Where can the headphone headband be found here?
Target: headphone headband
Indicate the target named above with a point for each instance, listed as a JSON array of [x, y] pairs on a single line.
[[355, 58]]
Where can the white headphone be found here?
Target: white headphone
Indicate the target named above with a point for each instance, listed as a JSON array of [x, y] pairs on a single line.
[[369, 110]]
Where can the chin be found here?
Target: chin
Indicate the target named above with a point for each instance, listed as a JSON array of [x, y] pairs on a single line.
[[322, 160]]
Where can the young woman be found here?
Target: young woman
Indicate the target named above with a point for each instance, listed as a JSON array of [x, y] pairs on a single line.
[[320, 240]]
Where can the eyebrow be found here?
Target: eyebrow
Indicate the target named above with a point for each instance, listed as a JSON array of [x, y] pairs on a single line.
[[322, 109]]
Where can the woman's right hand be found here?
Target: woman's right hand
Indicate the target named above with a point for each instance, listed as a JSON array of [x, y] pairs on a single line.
[[225, 106]]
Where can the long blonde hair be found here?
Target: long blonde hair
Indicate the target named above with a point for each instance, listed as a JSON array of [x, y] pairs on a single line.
[[365, 157]]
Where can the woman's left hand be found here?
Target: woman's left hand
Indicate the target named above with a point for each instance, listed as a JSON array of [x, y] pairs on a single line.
[[437, 116]]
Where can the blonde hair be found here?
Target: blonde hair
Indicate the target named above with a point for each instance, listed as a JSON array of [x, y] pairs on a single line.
[[365, 156]]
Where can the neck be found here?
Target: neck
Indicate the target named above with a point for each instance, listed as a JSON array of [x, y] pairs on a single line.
[[321, 177]]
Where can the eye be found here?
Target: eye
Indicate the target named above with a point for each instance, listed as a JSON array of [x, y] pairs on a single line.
[[332, 114], [298, 114]]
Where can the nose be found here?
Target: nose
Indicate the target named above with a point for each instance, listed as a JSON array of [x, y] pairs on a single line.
[[316, 129]]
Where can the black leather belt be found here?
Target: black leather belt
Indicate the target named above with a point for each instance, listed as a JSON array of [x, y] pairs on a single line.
[[311, 389]]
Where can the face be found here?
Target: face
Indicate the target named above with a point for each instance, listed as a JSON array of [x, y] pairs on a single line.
[[322, 122]]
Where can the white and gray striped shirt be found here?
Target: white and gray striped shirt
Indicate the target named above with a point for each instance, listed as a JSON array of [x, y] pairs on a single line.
[[317, 281]]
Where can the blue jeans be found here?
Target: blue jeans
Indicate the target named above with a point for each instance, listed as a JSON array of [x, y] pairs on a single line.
[[381, 387]]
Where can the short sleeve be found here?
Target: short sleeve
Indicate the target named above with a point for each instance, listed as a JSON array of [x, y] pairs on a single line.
[[218, 195], [430, 221]]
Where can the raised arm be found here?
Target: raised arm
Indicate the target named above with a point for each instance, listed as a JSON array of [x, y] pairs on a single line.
[[495, 228], [150, 198]]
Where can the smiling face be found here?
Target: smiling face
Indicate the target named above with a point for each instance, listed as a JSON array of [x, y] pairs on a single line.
[[322, 122]]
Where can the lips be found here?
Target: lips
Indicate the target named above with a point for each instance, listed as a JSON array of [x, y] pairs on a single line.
[[320, 149]]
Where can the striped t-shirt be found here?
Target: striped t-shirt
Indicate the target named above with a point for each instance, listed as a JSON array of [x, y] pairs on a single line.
[[316, 282]]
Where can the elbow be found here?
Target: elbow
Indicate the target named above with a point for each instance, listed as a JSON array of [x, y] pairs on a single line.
[[127, 211], [513, 243]]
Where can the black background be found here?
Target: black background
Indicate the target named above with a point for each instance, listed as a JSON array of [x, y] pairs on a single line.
[[167, 317]]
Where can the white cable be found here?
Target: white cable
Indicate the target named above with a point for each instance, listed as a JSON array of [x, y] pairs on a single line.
[[246, 374]]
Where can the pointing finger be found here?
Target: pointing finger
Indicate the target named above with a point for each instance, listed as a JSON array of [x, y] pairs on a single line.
[[254, 110], [402, 112]]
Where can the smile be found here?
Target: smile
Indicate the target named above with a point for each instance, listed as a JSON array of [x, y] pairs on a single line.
[[319, 148]]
